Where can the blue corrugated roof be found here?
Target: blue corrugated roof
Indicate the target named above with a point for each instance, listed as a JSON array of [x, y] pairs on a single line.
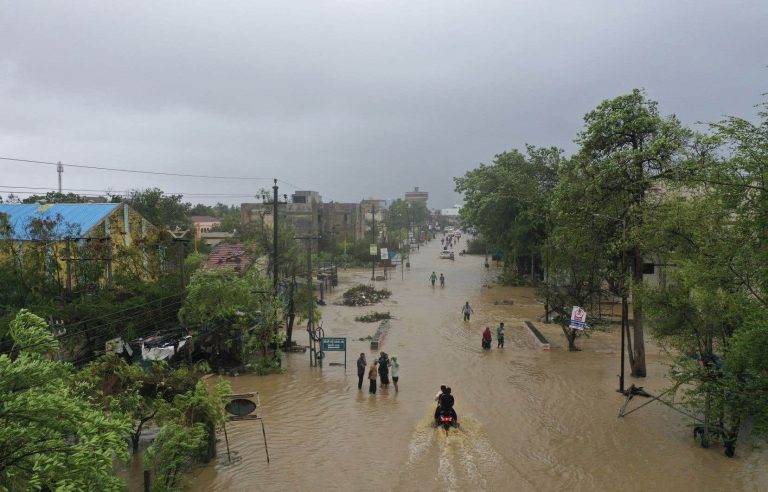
[[76, 218]]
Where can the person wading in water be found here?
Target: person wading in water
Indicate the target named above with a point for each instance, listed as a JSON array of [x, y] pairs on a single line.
[[361, 363], [467, 310]]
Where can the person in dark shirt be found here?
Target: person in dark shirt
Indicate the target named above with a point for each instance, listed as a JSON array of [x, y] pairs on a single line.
[[361, 363]]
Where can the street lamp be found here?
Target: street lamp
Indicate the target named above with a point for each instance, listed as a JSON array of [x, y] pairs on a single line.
[[623, 300]]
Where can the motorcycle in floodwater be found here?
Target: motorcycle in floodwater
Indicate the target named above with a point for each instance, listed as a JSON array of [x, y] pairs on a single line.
[[446, 421]]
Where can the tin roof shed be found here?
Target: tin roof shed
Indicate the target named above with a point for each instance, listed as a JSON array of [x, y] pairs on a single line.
[[76, 218]]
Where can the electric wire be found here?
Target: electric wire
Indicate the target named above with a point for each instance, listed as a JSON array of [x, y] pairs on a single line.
[[105, 324], [137, 171]]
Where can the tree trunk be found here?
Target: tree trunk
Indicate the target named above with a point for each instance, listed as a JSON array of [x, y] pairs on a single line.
[[570, 335], [638, 364]]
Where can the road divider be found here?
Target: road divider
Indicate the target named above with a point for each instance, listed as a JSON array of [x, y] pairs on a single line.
[[541, 341]]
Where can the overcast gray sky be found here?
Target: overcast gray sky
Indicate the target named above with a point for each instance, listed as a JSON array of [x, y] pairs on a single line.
[[352, 98]]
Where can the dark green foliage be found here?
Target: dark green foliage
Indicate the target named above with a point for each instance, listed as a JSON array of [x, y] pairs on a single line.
[[52, 437], [373, 317], [364, 295]]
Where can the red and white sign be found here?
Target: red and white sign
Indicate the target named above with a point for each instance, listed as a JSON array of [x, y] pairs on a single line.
[[578, 318]]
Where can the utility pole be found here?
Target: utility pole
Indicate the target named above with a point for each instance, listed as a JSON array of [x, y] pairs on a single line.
[[274, 236], [373, 241], [275, 203], [60, 170]]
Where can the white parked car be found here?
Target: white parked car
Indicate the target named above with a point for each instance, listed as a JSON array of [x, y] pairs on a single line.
[[446, 255]]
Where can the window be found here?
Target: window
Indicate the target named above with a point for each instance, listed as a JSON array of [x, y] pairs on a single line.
[[649, 268]]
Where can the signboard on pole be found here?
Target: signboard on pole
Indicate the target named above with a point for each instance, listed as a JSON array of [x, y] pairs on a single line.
[[578, 318], [374, 250], [384, 254], [334, 344]]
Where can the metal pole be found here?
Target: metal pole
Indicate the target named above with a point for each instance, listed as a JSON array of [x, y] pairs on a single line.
[[181, 266], [264, 433], [274, 236], [147, 480], [621, 377], [623, 328], [60, 170], [226, 439]]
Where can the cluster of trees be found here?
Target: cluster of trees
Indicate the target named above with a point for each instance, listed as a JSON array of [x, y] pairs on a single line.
[[66, 423], [63, 429], [642, 193]]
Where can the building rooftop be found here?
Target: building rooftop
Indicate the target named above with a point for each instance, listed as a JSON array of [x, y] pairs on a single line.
[[205, 218], [229, 255], [65, 219]]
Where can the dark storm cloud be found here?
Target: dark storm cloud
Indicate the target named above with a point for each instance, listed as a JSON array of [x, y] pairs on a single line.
[[350, 98]]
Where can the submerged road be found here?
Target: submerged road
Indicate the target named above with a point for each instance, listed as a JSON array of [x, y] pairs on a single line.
[[531, 420]]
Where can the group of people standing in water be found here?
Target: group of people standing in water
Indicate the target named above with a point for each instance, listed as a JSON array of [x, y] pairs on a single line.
[[380, 369]]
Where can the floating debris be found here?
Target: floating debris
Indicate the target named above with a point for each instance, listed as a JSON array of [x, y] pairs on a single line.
[[364, 295]]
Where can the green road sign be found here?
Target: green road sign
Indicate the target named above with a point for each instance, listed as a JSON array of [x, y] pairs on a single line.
[[333, 344]]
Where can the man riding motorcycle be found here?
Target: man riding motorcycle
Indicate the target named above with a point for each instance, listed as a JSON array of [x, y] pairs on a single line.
[[445, 403]]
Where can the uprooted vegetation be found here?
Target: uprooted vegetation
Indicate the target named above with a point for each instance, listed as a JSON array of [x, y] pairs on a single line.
[[364, 295], [373, 317]]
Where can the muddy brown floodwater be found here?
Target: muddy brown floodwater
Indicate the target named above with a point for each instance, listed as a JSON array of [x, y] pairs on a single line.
[[530, 420]]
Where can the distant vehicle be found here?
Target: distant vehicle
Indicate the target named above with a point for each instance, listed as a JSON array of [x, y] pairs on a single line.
[[446, 255], [457, 233]]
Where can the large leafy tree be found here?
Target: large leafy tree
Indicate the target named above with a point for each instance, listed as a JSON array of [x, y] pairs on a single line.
[[627, 150], [234, 316], [52, 438], [160, 209], [713, 311], [508, 202]]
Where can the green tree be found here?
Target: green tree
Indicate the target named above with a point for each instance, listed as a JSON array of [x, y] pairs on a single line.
[[134, 390], [161, 210], [626, 152], [188, 434], [712, 310], [234, 316], [508, 203], [51, 437], [56, 197]]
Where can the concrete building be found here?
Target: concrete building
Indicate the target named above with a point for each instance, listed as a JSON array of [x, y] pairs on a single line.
[[309, 216], [450, 215], [204, 223], [416, 196], [343, 221]]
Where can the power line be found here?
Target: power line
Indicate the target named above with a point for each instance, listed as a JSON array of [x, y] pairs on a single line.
[[20, 191], [107, 322], [137, 171]]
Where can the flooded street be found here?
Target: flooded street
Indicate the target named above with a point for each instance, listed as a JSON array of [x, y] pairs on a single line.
[[530, 420]]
